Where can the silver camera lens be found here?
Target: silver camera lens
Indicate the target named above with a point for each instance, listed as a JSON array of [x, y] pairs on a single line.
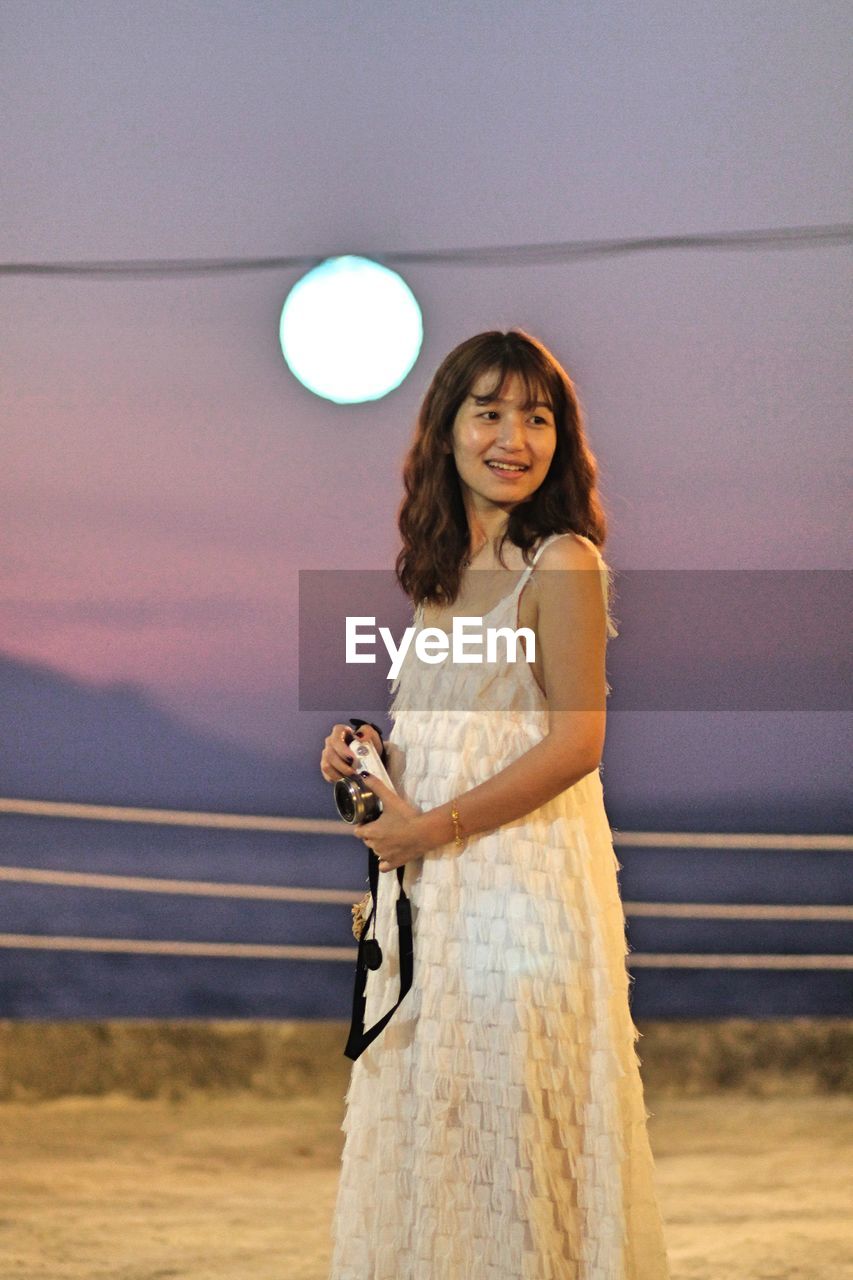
[[355, 801]]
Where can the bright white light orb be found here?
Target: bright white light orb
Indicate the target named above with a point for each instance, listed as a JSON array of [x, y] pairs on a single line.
[[351, 330]]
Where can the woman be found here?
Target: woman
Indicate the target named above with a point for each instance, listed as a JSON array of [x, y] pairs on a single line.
[[496, 1128]]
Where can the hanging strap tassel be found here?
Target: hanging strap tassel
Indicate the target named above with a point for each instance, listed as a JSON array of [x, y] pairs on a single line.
[[370, 958]]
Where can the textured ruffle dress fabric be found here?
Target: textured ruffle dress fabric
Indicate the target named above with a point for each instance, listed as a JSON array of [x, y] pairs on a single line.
[[497, 1128]]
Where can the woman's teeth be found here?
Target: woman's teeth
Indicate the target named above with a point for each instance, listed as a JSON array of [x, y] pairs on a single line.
[[506, 466]]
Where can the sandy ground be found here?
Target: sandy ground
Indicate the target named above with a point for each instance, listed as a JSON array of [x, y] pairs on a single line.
[[242, 1187]]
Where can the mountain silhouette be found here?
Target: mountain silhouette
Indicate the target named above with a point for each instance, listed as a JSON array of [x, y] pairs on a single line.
[[62, 738]]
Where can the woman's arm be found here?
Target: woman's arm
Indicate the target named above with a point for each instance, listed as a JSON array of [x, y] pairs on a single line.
[[571, 638]]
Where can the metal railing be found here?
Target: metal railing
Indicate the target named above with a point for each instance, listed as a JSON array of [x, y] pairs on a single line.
[[316, 826]]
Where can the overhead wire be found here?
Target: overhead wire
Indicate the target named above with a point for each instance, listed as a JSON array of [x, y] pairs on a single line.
[[478, 256]]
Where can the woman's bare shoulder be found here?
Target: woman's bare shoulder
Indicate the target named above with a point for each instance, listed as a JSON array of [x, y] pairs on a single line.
[[570, 551]]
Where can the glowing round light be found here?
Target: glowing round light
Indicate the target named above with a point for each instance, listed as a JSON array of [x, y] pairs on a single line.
[[351, 330]]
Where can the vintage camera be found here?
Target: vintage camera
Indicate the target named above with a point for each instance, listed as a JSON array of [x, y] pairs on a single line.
[[354, 799]]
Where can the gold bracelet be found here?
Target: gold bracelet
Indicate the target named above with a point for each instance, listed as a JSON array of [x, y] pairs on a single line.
[[459, 839]]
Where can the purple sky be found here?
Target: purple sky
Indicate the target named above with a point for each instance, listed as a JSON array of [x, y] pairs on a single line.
[[164, 477]]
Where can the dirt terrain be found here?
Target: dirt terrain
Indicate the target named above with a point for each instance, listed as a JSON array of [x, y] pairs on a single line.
[[239, 1187]]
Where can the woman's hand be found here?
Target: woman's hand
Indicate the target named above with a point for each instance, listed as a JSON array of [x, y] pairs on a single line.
[[397, 836], [337, 760]]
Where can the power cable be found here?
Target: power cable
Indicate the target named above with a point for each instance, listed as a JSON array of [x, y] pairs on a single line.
[[483, 256]]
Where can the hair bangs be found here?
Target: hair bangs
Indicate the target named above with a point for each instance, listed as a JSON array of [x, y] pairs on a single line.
[[525, 363]]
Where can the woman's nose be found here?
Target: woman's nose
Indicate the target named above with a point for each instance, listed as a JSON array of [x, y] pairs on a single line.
[[511, 430]]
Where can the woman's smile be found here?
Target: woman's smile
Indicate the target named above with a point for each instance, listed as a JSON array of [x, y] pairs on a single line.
[[507, 470]]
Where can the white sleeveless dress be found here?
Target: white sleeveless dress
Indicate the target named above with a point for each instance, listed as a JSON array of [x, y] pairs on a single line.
[[496, 1129]]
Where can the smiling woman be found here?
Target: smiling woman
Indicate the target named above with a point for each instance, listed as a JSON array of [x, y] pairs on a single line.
[[496, 1126]]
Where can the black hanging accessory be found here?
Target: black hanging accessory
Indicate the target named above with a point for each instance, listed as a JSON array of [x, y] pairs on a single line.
[[370, 957]]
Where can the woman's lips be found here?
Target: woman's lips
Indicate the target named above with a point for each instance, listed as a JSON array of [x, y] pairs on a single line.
[[510, 473]]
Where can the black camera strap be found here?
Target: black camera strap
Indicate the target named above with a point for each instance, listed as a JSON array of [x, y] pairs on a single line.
[[368, 950]]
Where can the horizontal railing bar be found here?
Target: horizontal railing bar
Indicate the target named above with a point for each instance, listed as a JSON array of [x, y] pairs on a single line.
[[283, 893], [728, 840], [174, 817], [254, 951], [739, 911], [334, 827], [150, 884], [164, 947], [687, 960]]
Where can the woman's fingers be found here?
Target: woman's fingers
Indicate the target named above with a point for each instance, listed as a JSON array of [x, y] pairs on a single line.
[[337, 760], [369, 734]]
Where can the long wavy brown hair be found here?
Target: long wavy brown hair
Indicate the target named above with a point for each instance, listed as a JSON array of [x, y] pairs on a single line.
[[432, 520]]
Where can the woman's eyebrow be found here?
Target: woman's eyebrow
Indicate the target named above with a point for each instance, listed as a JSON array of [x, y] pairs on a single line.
[[530, 404]]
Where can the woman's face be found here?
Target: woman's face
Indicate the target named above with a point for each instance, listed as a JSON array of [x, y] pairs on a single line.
[[502, 447]]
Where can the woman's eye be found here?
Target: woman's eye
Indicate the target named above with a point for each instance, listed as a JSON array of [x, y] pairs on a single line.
[[537, 420]]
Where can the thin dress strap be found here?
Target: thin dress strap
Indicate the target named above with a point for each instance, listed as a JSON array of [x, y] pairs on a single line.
[[519, 586], [607, 582]]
